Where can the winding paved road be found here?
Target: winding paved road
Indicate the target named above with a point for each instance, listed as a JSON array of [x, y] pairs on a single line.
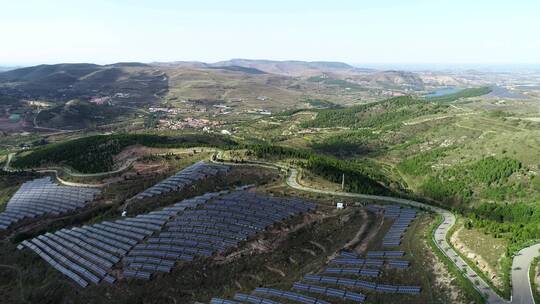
[[521, 285]]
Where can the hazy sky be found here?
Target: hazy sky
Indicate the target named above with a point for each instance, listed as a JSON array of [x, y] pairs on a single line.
[[356, 31]]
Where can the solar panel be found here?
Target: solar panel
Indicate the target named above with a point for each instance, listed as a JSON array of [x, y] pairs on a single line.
[[185, 177], [356, 271], [360, 283], [253, 299], [289, 295], [332, 292], [137, 274], [222, 301]]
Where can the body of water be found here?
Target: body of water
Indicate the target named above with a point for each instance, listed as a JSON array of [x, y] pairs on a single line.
[[443, 92]]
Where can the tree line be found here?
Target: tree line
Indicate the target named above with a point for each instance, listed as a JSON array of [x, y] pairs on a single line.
[[460, 183], [359, 177], [466, 93], [96, 153], [377, 114]]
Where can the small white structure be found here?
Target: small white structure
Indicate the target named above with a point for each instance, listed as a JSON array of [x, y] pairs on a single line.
[[124, 213], [226, 132], [340, 206]]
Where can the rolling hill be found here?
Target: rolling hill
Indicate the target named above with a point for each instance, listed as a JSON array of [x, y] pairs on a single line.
[[289, 67], [135, 82]]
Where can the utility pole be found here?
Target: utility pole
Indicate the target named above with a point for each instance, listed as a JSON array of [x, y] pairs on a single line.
[[343, 182]]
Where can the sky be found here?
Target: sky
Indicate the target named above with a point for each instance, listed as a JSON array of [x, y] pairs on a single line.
[[355, 31]]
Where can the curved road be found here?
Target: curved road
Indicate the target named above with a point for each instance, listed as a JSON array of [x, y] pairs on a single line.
[[521, 285], [521, 288]]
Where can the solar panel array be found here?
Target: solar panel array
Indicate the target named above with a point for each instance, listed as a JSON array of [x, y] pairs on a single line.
[[402, 219], [211, 225], [42, 197], [154, 242], [184, 178], [347, 263], [385, 288], [90, 252]]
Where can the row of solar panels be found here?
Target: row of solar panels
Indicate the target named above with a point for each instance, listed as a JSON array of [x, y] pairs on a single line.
[[362, 284], [53, 197], [46, 185], [370, 263], [59, 203], [56, 190], [42, 197], [331, 292], [187, 176], [393, 254], [353, 271], [374, 254], [358, 262], [289, 295], [350, 258]]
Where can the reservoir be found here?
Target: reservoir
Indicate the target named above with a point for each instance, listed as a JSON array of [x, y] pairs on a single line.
[[443, 92]]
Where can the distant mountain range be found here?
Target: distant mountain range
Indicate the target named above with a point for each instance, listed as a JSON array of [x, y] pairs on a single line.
[[287, 67], [145, 82], [8, 68], [67, 81]]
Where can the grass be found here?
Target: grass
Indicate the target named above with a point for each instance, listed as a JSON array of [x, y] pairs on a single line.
[[5, 195], [492, 250], [467, 139], [485, 245], [505, 293]]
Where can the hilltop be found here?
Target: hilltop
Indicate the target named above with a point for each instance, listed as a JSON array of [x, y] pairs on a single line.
[[59, 82]]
